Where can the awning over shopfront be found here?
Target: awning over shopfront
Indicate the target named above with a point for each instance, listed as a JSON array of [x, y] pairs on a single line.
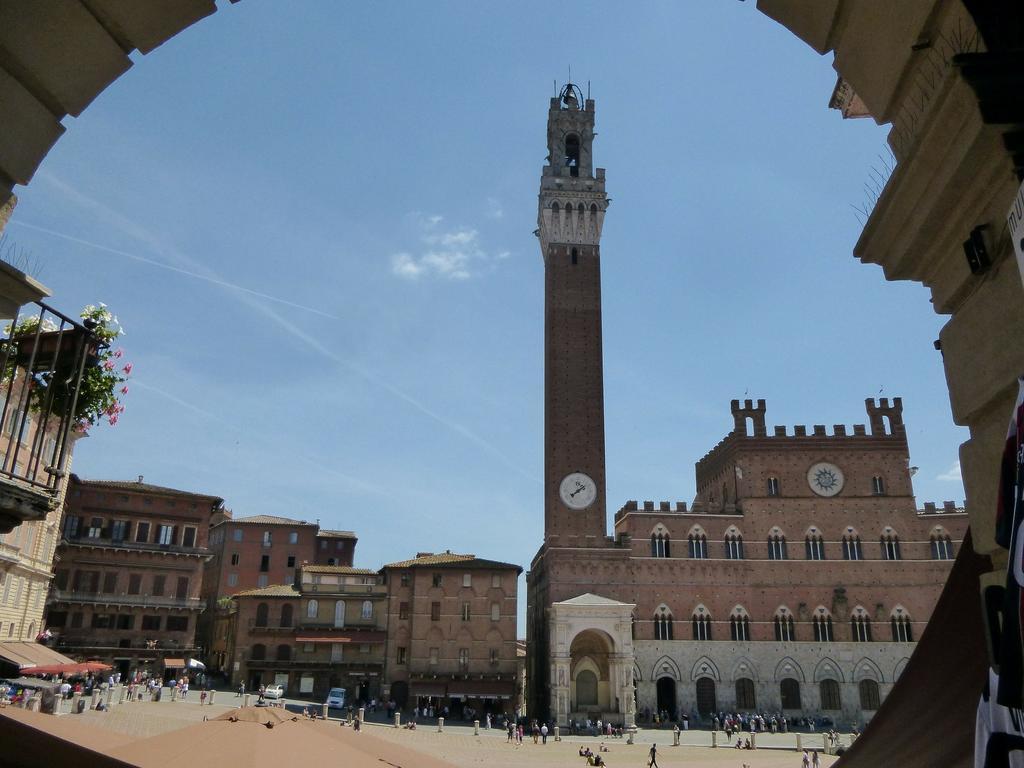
[[339, 637], [174, 663], [482, 689], [428, 689], [29, 654]]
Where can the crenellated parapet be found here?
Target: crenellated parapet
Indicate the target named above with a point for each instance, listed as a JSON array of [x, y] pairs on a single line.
[[932, 509]]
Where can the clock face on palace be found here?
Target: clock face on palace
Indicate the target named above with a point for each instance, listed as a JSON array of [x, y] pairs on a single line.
[[825, 479], [577, 490]]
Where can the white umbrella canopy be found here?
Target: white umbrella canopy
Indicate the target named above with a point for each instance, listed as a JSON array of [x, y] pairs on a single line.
[[267, 736]]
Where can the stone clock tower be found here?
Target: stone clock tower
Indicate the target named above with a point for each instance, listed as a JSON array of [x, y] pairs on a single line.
[[571, 212]]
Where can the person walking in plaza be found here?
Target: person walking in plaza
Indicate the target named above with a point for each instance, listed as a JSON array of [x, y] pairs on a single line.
[[544, 733], [814, 760], [652, 757], [806, 762]]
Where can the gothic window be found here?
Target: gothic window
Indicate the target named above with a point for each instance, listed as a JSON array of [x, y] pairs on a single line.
[[739, 625], [830, 695], [869, 699], [877, 486], [698, 546], [822, 628], [890, 545], [784, 626], [701, 626], [572, 154], [773, 486], [789, 690], [660, 544], [814, 546], [851, 547], [942, 547], [745, 694], [901, 629], [734, 546], [777, 547], [860, 628], [663, 625]]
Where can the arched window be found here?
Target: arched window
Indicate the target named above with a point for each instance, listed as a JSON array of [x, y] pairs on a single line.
[[830, 695], [789, 692], [698, 545], [860, 627], [777, 547], [586, 689], [367, 611], [312, 607], [286, 615], [745, 698], [901, 628], [572, 154], [785, 630], [851, 546], [733, 545], [258, 652], [773, 486], [814, 545], [739, 625], [890, 545], [869, 695], [822, 621], [877, 486], [701, 625], [663, 624], [660, 544], [262, 612], [942, 547], [284, 653]]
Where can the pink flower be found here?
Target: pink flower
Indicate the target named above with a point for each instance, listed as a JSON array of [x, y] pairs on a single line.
[[124, 390], [128, 368], [112, 420], [108, 365], [118, 352], [120, 409]]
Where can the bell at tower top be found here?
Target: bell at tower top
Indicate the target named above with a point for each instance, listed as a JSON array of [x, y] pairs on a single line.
[[571, 135]]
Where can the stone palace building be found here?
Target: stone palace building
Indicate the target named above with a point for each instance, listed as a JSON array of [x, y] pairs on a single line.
[[799, 579]]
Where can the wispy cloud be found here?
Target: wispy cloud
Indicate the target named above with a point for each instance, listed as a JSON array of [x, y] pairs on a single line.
[[447, 253], [494, 209], [258, 303], [952, 474]]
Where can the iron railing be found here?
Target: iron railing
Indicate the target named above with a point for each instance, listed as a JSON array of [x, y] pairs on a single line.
[[110, 598], [45, 355]]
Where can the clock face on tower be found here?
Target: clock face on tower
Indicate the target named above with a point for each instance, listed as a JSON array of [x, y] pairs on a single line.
[[577, 490], [825, 479]]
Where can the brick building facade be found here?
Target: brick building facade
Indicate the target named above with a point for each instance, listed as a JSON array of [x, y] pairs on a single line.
[[452, 632], [799, 579], [128, 573]]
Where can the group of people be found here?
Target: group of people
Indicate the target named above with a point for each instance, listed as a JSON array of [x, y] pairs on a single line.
[[594, 758], [810, 760], [595, 728]]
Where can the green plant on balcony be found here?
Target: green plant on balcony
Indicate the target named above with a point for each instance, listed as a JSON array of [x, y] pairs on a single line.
[[103, 384]]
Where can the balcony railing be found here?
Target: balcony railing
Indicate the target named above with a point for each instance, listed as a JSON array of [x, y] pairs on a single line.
[[322, 624], [269, 627], [84, 539], [145, 601], [44, 356], [319, 663]]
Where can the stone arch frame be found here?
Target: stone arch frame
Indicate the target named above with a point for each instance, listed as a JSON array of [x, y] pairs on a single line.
[[637, 676], [898, 668], [666, 666], [704, 667], [789, 667], [828, 668], [732, 530], [660, 528], [744, 666], [697, 530], [664, 614], [776, 531], [813, 531], [866, 669]]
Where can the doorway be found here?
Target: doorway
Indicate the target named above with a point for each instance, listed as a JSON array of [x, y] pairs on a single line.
[[707, 704], [667, 696]]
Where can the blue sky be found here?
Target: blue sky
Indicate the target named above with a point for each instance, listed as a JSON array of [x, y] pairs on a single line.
[[316, 227]]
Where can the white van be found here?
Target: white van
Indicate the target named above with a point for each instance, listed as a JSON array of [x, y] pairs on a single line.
[[336, 698]]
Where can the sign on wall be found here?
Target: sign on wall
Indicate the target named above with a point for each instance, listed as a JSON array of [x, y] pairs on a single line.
[[306, 684]]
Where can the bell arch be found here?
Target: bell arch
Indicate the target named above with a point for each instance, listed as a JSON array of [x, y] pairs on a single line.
[[704, 667], [828, 669], [788, 667], [666, 666]]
